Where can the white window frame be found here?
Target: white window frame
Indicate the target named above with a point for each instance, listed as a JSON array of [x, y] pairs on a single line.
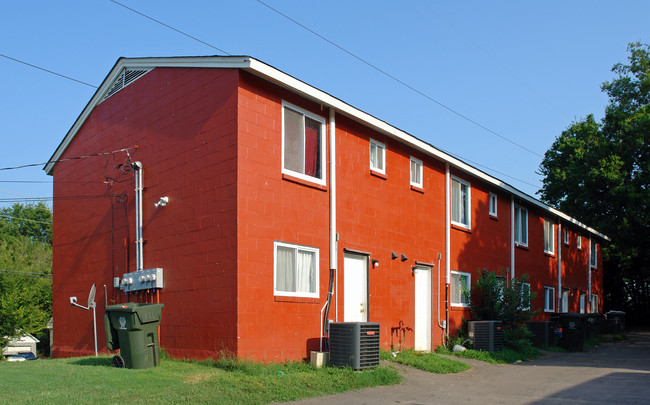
[[382, 159], [583, 302], [468, 202], [419, 175], [316, 265], [492, 204], [323, 145], [593, 253], [549, 237], [549, 302], [459, 274], [579, 242], [521, 225], [564, 301], [566, 236], [594, 303], [523, 287]]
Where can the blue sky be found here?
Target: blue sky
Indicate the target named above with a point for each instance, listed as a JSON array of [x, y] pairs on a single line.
[[524, 70]]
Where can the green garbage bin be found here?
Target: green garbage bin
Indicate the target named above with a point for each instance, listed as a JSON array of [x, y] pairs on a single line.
[[133, 328]]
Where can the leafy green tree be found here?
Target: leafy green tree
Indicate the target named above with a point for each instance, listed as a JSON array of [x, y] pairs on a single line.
[[493, 298], [25, 269], [599, 172]]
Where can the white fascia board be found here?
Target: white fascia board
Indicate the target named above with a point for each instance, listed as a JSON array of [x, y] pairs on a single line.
[[284, 80]]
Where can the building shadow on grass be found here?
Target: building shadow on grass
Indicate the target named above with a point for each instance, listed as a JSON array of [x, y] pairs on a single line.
[[93, 361]]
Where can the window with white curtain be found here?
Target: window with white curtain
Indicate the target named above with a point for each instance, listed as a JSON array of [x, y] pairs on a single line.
[[521, 225], [525, 296], [549, 237], [296, 270], [303, 140], [549, 299], [461, 203], [459, 288], [377, 156], [416, 172], [492, 201]]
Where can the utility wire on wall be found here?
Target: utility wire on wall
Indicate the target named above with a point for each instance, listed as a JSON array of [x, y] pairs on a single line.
[[68, 159]]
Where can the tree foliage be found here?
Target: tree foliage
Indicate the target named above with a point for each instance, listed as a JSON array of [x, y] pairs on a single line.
[[25, 269], [599, 172], [494, 299]]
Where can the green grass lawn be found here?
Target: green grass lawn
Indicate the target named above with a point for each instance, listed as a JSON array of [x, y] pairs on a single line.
[[430, 362], [506, 356], [93, 380]]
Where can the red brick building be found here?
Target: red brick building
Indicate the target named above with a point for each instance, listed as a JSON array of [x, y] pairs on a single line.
[[273, 188]]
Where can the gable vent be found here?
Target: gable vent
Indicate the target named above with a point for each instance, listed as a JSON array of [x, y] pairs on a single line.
[[125, 78]]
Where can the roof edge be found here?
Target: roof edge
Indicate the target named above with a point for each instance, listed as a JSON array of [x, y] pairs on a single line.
[[293, 84]]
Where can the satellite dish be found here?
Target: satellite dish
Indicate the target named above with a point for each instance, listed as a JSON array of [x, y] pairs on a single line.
[[91, 296]]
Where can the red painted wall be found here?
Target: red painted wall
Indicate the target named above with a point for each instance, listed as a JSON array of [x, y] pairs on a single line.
[[272, 208], [380, 214], [183, 121]]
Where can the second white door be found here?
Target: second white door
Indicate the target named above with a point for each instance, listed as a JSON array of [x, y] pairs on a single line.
[[355, 288], [422, 308]]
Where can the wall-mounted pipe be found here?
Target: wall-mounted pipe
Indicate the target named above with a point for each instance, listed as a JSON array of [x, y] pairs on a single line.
[[139, 186], [447, 245], [559, 265], [440, 325], [324, 315], [512, 237]]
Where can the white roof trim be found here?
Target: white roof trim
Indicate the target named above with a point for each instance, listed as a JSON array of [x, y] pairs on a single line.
[[286, 81]]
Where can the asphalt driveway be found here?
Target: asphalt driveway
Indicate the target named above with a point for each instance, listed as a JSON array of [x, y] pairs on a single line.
[[613, 373]]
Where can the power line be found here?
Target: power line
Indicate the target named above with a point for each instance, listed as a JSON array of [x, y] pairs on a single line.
[[459, 114], [48, 71], [25, 219], [25, 273], [169, 26], [67, 159]]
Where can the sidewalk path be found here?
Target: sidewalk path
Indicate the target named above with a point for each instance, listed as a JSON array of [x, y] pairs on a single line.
[[614, 373]]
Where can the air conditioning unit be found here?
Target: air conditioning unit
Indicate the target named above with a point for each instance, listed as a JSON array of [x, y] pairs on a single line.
[[354, 344], [486, 335]]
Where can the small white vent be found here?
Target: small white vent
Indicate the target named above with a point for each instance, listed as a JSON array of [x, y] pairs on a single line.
[[125, 78]]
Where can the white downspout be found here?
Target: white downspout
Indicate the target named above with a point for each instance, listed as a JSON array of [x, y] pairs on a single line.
[[447, 226], [588, 304], [560, 242], [447, 247], [139, 186], [333, 235], [512, 237]]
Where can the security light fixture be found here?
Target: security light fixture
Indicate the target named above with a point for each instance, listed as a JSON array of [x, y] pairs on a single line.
[[162, 202], [375, 263]]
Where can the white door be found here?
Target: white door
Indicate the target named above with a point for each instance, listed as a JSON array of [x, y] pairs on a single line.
[[355, 288], [422, 308]]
